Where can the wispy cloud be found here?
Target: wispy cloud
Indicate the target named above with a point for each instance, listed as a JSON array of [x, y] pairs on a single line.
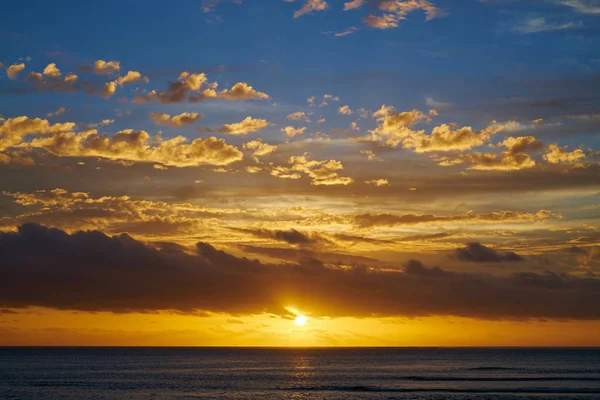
[[582, 6], [539, 24]]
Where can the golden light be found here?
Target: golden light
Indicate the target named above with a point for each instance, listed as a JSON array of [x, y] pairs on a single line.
[[300, 320]]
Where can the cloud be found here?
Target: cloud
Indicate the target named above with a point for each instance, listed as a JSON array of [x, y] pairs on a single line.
[[291, 236], [583, 6], [102, 67], [130, 145], [515, 157], [14, 130], [298, 116], [345, 32], [284, 173], [182, 119], [115, 214], [345, 110], [59, 111], [556, 155], [71, 78], [209, 6], [378, 182], [351, 5], [179, 90], [109, 89], [394, 11], [385, 21], [195, 88], [52, 71], [290, 131], [322, 173], [369, 154], [242, 91], [476, 252], [244, 127], [13, 71], [260, 148], [170, 279], [324, 101], [393, 127], [126, 145], [438, 105], [68, 84], [309, 6], [385, 219], [443, 138], [539, 24], [131, 77]]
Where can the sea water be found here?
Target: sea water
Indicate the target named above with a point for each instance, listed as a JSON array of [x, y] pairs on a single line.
[[301, 373]]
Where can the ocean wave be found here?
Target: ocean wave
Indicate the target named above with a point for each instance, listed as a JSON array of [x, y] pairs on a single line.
[[492, 369], [497, 378], [535, 370], [361, 388]]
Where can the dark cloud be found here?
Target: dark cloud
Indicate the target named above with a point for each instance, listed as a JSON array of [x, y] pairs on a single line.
[[386, 219], [304, 253], [292, 236], [90, 271], [361, 239], [476, 252], [576, 250]]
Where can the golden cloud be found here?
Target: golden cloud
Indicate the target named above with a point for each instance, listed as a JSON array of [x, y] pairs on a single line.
[[260, 148], [131, 77], [298, 116], [13, 71], [60, 111], [515, 157], [310, 6], [351, 5], [557, 155], [189, 86], [52, 71], [378, 182], [242, 91], [345, 110], [70, 78], [182, 119], [118, 214], [396, 10], [290, 131], [321, 172], [243, 127], [102, 67], [130, 145], [13, 130], [109, 89], [443, 138], [126, 145], [389, 220]]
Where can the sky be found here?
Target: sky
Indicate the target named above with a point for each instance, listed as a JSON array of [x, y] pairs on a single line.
[[300, 173]]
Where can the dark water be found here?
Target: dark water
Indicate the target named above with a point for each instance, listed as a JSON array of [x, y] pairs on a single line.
[[236, 373]]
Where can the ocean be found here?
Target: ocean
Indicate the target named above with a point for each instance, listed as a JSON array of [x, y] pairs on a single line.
[[301, 373]]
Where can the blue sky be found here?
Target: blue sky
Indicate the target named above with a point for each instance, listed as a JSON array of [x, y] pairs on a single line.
[[475, 44]]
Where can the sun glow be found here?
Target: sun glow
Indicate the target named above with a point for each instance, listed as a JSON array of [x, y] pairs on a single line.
[[300, 320]]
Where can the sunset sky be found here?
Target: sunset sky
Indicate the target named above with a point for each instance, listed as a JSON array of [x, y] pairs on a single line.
[[204, 172]]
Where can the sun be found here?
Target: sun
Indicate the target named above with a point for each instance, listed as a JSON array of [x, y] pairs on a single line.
[[300, 320]]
